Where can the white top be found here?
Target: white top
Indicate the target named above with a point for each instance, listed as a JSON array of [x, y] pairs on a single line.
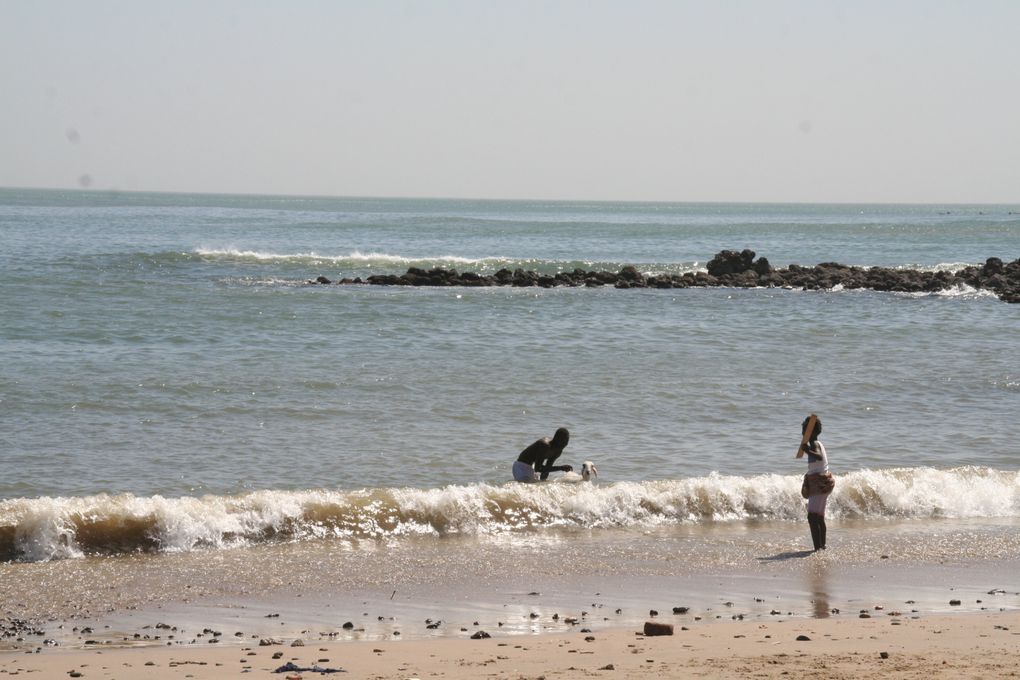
[[817, 461]]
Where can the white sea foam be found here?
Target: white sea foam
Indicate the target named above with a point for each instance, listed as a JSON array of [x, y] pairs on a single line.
[[962, 291], [237, 253], [399, 259], [940, 267], [353, 257], [58, 528], [368, 260]]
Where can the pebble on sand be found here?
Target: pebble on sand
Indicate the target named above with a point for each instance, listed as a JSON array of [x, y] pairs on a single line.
[[656, 628]]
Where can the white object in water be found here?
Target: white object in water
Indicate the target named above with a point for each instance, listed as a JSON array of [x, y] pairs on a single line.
[[588, 470]]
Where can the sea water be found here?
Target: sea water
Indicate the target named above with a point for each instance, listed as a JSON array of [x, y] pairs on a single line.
[[170, 383]]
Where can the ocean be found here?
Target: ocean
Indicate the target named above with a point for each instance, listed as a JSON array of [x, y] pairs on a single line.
[[173, 392]]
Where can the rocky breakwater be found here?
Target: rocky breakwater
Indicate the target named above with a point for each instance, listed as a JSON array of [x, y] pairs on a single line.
[[731, 269]]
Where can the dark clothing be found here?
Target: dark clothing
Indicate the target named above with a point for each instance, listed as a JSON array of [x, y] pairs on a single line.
[[541, 455], [817, 484]]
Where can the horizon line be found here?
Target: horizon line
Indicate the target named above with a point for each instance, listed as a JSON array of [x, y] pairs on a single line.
[[393, 197]]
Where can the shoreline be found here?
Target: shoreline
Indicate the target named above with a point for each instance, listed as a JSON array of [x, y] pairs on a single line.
[[513, 585], [960, 645]]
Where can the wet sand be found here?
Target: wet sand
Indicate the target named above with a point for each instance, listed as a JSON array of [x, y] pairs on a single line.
[[888, 645], [512, 586]]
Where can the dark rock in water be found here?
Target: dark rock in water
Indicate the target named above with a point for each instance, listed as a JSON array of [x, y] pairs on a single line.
[[729, 268], [731, 262], [630, 273], [996, 281], [524, 278], [681, 610], [480, 635], [416, 277], [993, 265], [349, 625], [473, 279], [384, 280]]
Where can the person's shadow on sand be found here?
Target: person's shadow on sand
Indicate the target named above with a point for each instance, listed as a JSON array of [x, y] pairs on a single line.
[[787, 556]]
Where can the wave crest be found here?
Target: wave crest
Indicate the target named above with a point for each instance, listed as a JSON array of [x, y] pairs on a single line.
[[354, 258], [41, 529]]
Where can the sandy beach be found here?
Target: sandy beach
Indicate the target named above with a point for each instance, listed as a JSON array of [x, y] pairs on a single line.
[[886, 644], [738, 600]]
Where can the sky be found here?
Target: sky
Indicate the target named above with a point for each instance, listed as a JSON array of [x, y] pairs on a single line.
[[778, 100]]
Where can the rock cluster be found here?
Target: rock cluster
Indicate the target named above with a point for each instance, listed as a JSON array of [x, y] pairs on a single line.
[[18, 629], [732, 269]]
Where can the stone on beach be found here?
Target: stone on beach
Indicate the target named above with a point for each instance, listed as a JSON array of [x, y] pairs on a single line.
[[653, 628]]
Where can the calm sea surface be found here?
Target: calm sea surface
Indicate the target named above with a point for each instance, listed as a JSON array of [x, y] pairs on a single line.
[[162, 359]]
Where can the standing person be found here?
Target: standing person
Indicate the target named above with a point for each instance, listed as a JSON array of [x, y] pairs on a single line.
[[818, 482], [536, 461]]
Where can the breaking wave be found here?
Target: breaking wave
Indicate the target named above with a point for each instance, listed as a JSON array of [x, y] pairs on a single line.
[[352, 258], [377, 262], [961, 291], [41, 529]]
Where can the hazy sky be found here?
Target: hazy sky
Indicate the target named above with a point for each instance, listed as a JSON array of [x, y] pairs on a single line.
[[679, 101]]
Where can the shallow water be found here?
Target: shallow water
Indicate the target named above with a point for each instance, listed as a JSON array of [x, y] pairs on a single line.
[[188, 429], [718, 571]]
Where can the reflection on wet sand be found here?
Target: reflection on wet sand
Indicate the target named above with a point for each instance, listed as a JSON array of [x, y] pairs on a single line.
[[817, 574]]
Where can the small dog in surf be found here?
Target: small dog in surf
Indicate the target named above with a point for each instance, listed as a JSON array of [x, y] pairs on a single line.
[[588, 470]]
